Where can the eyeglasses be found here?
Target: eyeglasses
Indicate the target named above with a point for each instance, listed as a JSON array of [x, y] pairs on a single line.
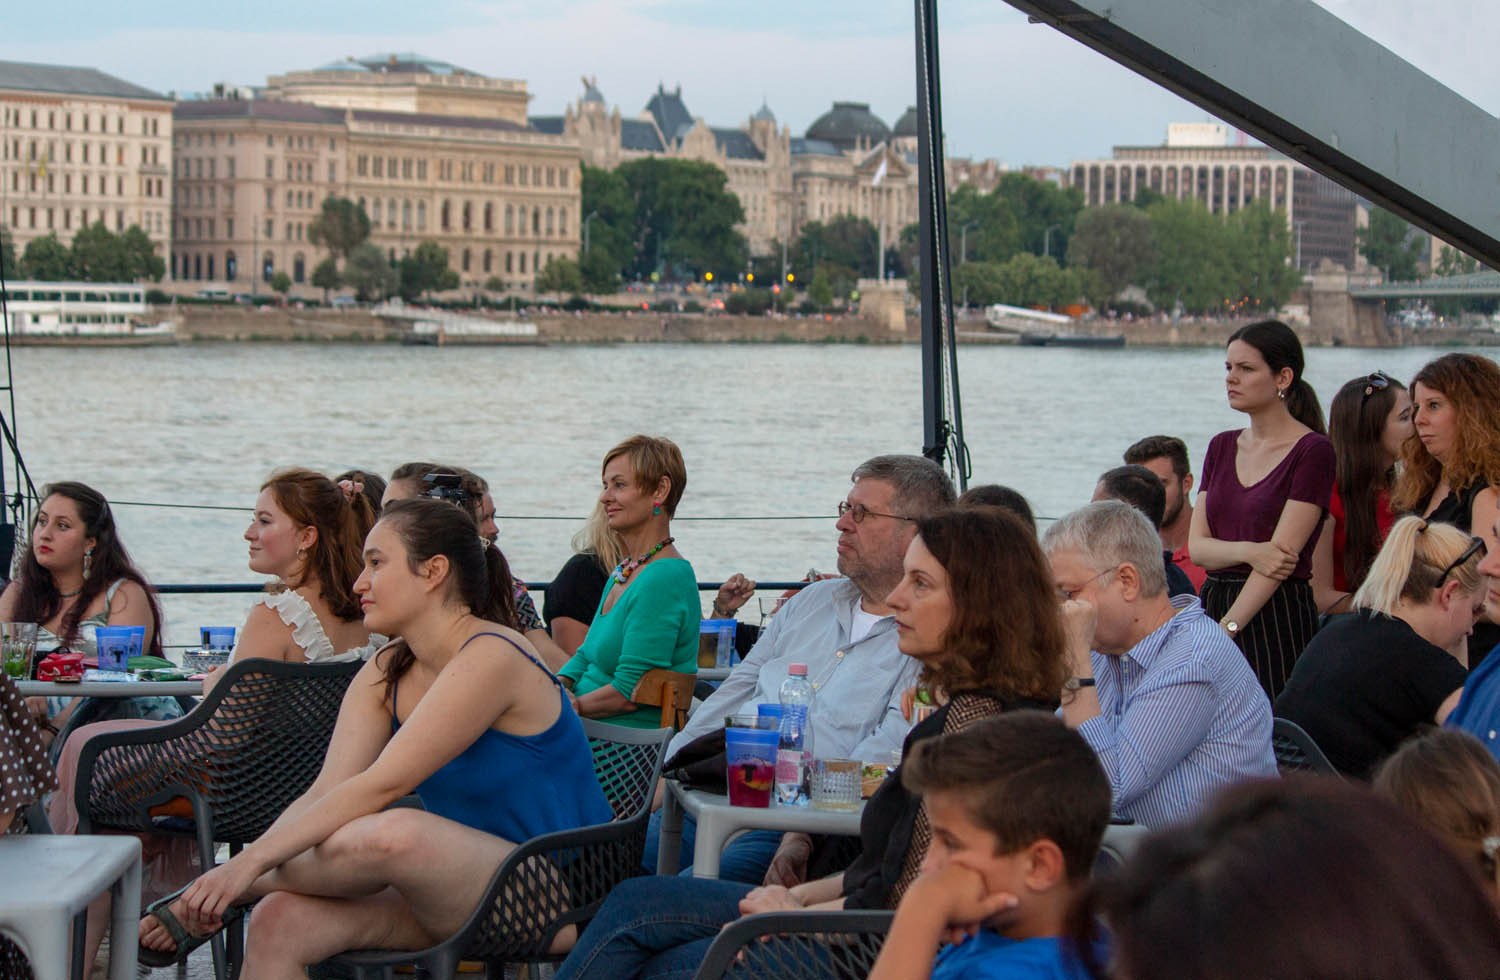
[[1375, 382], [859, 512], [1067, 595], [1476, 546]]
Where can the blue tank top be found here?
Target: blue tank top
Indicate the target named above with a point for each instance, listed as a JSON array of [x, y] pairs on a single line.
[[519, 786]]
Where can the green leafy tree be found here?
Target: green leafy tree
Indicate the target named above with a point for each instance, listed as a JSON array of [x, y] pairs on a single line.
[[370, 274], [46, 259], [1037, 280], [994, 234], [426, 270], [341, 226], [494, 284], [1260, 258], [1114, 242], [846, 242], [1452, 262], [97, 255], [325, 276], [1391, 245], [1191, 266], [606, 195], [281, 282], [820, 290], [1037, 206], [8, 266], [560, 275], [141, 260], [600, 273], [681, 223], [977, 283]]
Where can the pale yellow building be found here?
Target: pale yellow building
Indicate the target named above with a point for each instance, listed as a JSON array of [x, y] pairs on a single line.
[[78, 147], [431, 152]]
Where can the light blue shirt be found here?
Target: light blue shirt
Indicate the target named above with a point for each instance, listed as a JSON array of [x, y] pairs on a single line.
[[1182, 715], [857, 686]]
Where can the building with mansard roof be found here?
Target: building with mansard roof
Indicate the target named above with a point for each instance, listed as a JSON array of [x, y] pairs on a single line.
[[79, 147]]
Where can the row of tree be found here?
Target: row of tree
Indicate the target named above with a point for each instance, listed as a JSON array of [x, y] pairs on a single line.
[[95, 255]]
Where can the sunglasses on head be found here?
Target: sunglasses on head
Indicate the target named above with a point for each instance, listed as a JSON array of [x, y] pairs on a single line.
[[1375, 382]]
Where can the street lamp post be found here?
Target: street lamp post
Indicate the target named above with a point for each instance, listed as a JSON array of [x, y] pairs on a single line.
[[963, 241], [1047, 239], [591, 217], [1299, 225]]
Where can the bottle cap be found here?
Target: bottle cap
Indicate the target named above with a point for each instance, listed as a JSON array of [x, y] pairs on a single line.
[[797, 670]]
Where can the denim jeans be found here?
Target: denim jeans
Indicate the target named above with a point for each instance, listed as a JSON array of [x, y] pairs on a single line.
[[658, 927], [745, 859]]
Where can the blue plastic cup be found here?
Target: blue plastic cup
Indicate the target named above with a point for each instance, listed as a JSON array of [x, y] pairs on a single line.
[[117, 644], [750, 760], [219, 639]]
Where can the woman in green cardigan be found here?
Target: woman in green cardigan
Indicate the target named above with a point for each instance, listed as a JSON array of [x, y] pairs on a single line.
[[649, 613]]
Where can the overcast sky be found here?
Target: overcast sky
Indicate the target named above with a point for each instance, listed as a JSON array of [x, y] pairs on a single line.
[[1018, 92]]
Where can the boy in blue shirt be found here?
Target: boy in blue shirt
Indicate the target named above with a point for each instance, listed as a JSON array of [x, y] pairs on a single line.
[[1017, 806]]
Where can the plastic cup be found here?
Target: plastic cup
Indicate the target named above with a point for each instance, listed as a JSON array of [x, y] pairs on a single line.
[[18, 648], [750, 761], [217, 639], [117, 644], [710, 641], [836, 784]]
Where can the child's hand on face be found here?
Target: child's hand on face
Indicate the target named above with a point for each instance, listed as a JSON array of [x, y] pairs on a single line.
[[960, 893]]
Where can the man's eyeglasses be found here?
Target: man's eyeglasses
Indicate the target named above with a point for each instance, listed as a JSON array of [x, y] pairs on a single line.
[[1067, 595], [1375, 382], [1476, 546], [859, 512]]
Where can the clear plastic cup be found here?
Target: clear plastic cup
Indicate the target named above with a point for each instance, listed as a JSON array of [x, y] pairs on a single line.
[[18, 648], [836, 784], [750, 764]]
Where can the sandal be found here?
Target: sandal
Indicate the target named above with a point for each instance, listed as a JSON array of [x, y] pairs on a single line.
[[186, 941]]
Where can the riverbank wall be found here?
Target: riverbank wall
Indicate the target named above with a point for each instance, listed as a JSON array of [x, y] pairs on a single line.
[[283, 325]]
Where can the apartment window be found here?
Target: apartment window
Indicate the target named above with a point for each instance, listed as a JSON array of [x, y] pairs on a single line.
[[525, 172], [375, 215], [443, 220], [551, 177], [468, 216], [421, 169], [405, 215], [288, 231], [421, 216], [508, 267], [229, 166], [362, 165], [288, 199], [270, 167], [332, 173], [466, 260], [390, 167], [270, 198], [536, 176], [406, 169], [270, 229], [212, 166], [379, 167], [549, 221], [229, 233], [85, 118], [390, 213], [289, 170], [489, 217], [562, 220], [270, 140]]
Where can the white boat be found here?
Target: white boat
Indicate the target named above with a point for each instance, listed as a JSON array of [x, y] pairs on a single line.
[[111, 314]]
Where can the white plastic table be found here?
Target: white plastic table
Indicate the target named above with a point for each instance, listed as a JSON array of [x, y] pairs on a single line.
[[717, 820], [111, 689], [46, 880]]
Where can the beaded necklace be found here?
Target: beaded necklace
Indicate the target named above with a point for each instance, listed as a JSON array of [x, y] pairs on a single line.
[[626, 568]]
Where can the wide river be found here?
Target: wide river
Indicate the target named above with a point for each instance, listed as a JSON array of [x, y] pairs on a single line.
[[767, 431]]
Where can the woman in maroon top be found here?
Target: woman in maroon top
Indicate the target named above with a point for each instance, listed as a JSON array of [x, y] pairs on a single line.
[[1368, 421], [1262, 501]]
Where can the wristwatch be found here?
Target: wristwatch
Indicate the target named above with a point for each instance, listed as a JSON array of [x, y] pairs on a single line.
[[1231, 627], [1075, 683]]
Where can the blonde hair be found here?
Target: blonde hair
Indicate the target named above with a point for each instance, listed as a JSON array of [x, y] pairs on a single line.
[[595, 538], [1411, 563], [1449, 781], [654, 457]]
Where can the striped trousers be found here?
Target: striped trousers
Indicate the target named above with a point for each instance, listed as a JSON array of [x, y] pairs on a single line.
[[1275, 637]]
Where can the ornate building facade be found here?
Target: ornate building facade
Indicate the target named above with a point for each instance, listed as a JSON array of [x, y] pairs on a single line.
[[78, 147], [431, 151]]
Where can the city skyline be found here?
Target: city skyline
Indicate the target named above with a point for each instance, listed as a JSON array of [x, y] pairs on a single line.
[[1006, 83]]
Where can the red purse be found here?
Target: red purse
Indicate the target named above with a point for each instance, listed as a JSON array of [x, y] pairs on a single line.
[[60, 667]]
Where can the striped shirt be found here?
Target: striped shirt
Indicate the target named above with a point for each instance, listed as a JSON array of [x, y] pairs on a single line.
[[1182, 714]]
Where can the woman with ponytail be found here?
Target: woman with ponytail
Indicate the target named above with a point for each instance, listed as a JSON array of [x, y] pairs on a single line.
[[459, 711], [1451, 471], [1262, 501], [1368, 682]]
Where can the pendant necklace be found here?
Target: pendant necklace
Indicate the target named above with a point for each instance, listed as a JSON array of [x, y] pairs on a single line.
[[626, 568]]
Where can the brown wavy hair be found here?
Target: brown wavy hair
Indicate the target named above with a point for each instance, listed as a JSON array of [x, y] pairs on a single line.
[[310, 499], [1356, 425], [1472, 384], [1006, 636]]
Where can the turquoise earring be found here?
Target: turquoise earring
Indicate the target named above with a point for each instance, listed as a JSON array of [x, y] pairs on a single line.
[[656, 510]]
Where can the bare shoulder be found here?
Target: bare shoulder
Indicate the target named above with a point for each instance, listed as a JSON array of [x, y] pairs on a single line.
[[130, 595], [264, 634], [8, 600], [497, 651]]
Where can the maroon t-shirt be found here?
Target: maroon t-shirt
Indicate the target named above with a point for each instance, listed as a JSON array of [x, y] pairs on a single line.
[[1240, 513]]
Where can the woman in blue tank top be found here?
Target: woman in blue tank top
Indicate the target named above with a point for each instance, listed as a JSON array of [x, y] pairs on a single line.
[[460, 711]]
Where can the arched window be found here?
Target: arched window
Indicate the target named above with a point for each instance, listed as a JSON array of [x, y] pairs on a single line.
[[231, 266], [299, 267]]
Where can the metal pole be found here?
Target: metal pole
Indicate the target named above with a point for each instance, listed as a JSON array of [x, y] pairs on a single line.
[[1047, 239], [591, 217], [963, 242]]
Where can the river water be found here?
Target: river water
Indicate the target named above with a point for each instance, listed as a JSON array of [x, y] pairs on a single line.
[[766, 429]]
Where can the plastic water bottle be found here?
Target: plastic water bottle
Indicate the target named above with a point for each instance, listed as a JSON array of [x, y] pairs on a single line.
[[795, 751]]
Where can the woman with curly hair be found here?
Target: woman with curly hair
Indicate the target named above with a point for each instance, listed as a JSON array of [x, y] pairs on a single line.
[[977, 608], [1451, 470]]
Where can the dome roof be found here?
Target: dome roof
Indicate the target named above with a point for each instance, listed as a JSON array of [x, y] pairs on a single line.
[[846, 123], [907, 124], [764, 113]]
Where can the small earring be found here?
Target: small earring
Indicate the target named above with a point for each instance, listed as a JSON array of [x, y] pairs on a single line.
[[1281, 393], [88, 562], [656, 510]]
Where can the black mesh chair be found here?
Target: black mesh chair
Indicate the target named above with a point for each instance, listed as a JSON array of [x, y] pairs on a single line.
[[1296, 751], [549, 882], [798, 945], [238, 759]]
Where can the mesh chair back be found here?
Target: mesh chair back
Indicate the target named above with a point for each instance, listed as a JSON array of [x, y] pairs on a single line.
[[1296, 751], [797, 945], [561, 879], [244, 753]]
